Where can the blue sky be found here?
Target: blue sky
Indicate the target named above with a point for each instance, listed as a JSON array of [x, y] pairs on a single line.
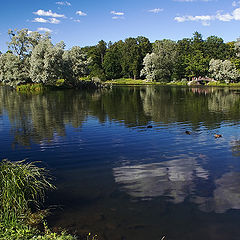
[[85, 22]]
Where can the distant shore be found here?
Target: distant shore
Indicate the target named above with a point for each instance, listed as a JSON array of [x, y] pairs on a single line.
[[132, 82]]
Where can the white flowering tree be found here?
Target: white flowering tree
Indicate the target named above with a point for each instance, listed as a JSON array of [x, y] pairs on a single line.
[[224, 70], [13, 71], [46, 62], [159, 65], [76, 63]]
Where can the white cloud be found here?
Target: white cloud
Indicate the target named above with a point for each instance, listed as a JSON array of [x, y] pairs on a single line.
[[40, 20], [64, 3], [50, 20], [235, 3], [54, 21], [117, 13], [155, 10], [80, 13], [205, 19], [224, 17], [77, 20], [48, 13], [117, 17], [42, 29], [236, 14]]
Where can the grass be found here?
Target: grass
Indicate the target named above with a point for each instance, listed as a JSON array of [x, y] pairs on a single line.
[[129, 81], [31, 88], [221, 84], [22, 191]]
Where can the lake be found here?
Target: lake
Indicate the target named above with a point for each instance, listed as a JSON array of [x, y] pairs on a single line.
[[123, 164]]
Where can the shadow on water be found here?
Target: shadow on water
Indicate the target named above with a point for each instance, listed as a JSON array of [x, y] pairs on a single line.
[[122, 179]]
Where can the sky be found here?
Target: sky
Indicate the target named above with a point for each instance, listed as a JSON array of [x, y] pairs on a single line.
[[85, 22]]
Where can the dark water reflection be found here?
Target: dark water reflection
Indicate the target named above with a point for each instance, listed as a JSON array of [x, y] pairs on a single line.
[[122, 180]]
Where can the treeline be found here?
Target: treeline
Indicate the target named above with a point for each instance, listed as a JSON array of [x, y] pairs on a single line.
[[32, 58]]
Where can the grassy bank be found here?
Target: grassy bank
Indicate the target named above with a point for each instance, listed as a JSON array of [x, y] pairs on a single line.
[[129, 81], [90, 84], [132, 82], [22, 191]]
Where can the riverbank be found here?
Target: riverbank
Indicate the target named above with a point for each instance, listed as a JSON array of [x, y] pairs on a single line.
[[93, 84], [132, 82]]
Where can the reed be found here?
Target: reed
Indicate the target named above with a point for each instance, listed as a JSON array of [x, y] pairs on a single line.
[[22, 189]]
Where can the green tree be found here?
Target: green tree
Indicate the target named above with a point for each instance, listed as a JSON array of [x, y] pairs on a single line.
[[131, 58], [184, 47], [197, 64], [237, 47], [112, 62], [216, 48], [97, 53]]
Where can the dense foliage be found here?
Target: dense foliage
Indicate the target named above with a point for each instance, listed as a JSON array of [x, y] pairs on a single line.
[[32, 58]]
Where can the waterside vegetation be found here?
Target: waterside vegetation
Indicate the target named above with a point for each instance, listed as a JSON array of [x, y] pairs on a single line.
[[23, 186], [33, 59]]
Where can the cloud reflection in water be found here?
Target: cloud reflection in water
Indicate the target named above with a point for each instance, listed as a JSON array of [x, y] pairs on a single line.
[[176, 179], [173, 178]]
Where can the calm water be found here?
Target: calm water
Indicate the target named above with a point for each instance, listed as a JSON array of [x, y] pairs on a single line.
[[122, 180]]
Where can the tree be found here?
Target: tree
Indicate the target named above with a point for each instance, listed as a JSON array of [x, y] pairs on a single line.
[[15, 64], [224, 70], [131, 59], [216, 48], [184, 48], [75, 63], [197, 64], [97, 53], [197, 42], [46, 62], [22, 41], [112, 62], [160, 65], [12, 71], [237, 47]]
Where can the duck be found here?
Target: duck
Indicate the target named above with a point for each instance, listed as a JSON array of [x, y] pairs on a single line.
[[217, 135], [149, 126], [188, 132]]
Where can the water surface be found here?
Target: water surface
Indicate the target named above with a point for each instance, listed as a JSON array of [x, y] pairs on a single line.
[[122, 180]]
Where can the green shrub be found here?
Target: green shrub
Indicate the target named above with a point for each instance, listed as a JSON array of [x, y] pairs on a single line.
[[60, 82], [31, 88]]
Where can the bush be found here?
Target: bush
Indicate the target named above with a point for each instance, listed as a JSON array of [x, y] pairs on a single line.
[[31, 88]]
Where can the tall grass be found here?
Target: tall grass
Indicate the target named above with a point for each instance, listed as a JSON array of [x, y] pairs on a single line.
[[22, 189]]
